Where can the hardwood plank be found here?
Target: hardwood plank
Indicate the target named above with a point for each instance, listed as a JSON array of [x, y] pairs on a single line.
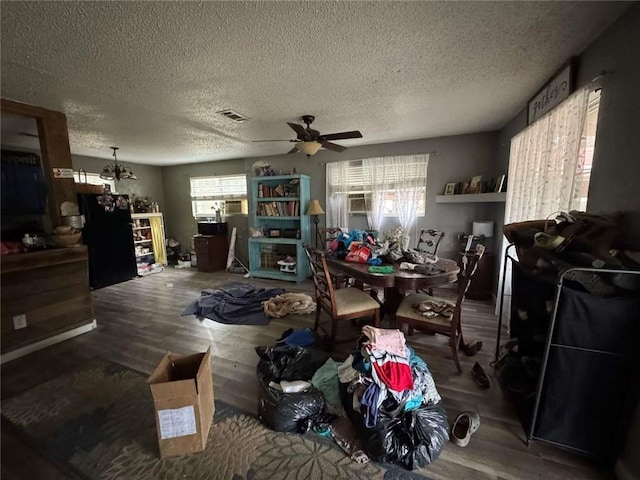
[[139, 320]]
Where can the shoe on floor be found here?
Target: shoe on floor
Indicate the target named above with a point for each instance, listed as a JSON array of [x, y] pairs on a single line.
[[466, 424], [480, 376], [470, 349]]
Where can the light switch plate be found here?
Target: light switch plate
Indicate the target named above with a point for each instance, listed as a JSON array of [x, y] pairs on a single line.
[[19, 321]]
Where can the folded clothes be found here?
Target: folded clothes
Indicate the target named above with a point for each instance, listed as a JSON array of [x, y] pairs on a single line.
[[386, 340]]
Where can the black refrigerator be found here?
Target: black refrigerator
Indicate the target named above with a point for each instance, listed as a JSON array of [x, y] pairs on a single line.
[[108, 235]]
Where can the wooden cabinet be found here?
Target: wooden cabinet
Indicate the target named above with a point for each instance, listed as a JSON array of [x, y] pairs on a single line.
[[45, 299], [278, 212], [211, 252]]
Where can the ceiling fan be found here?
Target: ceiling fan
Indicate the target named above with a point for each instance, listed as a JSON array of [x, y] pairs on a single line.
[[309, 141]]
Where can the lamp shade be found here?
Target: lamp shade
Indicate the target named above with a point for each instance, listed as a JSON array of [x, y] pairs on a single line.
[[483, 228], [315, 208], [308, 148]]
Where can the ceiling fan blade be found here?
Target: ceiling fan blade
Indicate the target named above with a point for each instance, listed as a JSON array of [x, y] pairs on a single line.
[[343, 135], [313, 133], [293, 150], [300, 130], [333, 146]]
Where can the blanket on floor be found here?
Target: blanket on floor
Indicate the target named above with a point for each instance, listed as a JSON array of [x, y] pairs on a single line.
[[234, 303]]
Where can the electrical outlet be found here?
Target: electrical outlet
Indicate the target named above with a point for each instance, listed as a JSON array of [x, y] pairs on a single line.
[[19, 321]]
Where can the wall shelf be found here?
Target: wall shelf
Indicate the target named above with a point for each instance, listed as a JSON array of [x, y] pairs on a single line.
[[473, 198]]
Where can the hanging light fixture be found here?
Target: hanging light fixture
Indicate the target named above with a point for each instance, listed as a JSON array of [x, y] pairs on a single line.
[[308, 148], [117, 171]]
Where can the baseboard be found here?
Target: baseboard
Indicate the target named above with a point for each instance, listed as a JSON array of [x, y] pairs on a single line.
[[622, 473], [47, 342]]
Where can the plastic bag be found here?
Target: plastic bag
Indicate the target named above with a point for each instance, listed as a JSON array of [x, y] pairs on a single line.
[[358, 253], [412, 439], [291, 412], [284, 362]]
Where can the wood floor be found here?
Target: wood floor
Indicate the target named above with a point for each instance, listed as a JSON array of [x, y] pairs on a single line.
[[139, 320]]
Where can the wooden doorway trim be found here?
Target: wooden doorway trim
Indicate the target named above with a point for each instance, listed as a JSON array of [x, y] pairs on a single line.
[[54, 150]]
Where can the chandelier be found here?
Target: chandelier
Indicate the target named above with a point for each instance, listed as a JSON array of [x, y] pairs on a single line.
[[117, 171]]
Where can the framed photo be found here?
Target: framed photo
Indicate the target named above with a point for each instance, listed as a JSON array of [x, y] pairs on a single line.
[[274, 233], [559, 87], [499, 184], [450, 188], [476, 184]]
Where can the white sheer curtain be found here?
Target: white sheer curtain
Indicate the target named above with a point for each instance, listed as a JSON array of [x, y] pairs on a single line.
[[544, 169], [388, 184], [375, 178], [411, 183], [337, 193], [544, 163]]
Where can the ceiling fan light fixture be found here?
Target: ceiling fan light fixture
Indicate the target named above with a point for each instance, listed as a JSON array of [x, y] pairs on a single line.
[[308, 148]]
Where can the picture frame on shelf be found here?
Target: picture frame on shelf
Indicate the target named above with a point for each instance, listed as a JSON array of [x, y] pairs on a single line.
[[500, 184], [450, 188], [475, 186]]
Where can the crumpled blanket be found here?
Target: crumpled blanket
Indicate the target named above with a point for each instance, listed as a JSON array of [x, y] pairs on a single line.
[[235, 303], [288, 303]]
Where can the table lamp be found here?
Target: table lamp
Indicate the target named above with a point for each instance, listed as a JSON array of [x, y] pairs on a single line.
[[482, 229], [314, 210]]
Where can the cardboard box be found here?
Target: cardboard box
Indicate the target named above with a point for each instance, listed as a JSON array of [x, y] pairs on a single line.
[[182, 390]]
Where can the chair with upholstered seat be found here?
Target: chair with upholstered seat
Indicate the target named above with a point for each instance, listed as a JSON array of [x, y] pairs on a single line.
[[327, 236], [426, 313], [428, 242], [340, 304]]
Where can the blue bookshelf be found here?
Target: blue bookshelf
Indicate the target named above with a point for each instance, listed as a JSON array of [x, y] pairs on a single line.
[[278, 206]]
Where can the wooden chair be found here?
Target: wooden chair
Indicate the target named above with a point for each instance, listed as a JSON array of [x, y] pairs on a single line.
[[341, 304], [428, 242], [327, 235], [451, 326]]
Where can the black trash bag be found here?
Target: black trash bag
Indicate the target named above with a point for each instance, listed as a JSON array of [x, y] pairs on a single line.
[[412, 439], [291, 412], [284, 362]]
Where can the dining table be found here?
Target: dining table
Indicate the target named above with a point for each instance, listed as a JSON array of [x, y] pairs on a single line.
[[396, 283]]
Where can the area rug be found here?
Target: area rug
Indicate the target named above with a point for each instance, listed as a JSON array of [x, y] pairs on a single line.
[[98, 420]]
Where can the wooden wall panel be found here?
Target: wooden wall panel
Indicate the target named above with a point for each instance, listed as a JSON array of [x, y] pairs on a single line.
[[51, 288]]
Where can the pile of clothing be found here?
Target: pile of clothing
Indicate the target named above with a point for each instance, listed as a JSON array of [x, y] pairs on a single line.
[[380, 403]]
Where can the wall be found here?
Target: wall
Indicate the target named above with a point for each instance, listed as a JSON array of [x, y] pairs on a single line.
[[149, 177], [616, 170], [458, 158]]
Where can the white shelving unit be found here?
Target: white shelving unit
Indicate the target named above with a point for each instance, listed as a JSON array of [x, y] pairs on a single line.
[[473, 198], [142, 228]]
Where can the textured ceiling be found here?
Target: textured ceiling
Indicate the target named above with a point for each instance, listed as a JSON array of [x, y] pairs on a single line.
[[149, 76]]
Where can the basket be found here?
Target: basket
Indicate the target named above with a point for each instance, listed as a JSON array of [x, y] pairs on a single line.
[[67, 240], [268, 260]]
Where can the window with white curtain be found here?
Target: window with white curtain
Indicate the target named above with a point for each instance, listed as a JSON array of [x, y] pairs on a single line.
[[550, 161], [227, 193], [380, 187], [550, 166]]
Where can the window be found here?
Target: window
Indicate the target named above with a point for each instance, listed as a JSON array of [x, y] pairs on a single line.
[[378, 187], [585, 158], [93, 179], [225, 193]]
